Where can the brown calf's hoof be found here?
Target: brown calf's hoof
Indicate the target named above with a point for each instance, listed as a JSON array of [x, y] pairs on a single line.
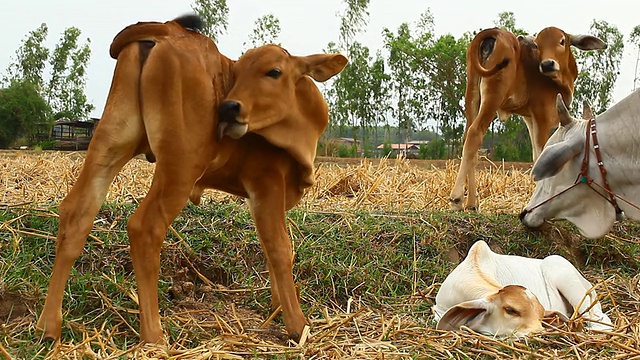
[[456, 204]]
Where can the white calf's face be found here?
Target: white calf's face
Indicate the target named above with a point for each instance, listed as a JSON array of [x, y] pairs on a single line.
[[513, 310]]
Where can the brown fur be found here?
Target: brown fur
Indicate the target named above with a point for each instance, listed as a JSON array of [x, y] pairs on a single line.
[[167, 108]]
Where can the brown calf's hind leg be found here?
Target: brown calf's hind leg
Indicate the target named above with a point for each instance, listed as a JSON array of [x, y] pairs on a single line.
[[77, 212]]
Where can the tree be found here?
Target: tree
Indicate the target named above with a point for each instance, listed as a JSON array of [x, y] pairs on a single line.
[[347, 91], [635, 39], [266, 31], [599, 69], [63, 90], [353, 19], [31, 58], [428, 78], [405, 82], [214, 14], [22, 109], [65, 93]]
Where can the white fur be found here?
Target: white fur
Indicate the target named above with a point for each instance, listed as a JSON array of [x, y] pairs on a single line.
[[553, 281], [618, 131]]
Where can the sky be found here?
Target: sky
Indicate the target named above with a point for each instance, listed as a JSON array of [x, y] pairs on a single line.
[[306, 26]]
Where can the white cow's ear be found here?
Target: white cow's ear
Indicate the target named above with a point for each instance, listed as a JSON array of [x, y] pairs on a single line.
[[554, 157], [322, 67], [462, 314]]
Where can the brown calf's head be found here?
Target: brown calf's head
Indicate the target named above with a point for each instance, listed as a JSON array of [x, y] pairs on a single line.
[[268, 82], [556, 59]]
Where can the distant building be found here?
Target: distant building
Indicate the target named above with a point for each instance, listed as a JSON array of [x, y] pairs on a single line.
[[70, 134], [408, 149]]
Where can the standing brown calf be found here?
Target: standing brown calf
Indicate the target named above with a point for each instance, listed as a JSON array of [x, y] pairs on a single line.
[[515, 75], [163, 103]]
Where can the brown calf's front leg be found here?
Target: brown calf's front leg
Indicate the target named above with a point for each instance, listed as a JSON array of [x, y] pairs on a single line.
[[267, 205], [147, 227]]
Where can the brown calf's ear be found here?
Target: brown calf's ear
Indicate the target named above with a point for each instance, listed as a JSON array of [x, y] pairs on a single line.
[[322, 67], [462, 314], [553, 318], [587, 42]]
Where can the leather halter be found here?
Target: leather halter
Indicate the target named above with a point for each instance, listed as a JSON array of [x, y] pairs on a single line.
[[583, 176]]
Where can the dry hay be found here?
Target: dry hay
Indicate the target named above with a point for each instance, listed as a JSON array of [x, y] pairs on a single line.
[[346, 331], [388, 185]]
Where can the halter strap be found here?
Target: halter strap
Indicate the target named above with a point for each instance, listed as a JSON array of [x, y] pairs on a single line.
[[583, 176], [584, 170]]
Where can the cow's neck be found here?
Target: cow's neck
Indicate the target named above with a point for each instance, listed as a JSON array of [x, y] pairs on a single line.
[[618, 131]]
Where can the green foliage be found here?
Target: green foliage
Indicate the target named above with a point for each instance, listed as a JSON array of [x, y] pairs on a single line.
[[513, 141], [434, 149], [387, 150], [63, 90], [31, 58], [266, 31], [382, 260], [21, 110], [599, 69], [507, 20], [428, 79], [47, 145], [214, 14], [345, 151], [69, 60], [353, 19]]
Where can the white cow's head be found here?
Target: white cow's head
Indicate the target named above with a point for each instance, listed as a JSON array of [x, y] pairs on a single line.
[[513, 310], [555, 171]]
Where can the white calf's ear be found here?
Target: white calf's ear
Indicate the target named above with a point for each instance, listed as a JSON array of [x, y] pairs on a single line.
[[462, 314], [554, 157]]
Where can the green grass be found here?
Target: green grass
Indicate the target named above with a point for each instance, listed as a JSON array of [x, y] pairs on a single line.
[[379, 259]]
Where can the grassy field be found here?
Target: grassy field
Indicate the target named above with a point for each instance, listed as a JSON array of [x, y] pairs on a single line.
[[373, 241]]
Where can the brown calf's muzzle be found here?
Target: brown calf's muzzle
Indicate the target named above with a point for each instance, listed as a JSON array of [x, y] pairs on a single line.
[[231, 124], [549, 67]]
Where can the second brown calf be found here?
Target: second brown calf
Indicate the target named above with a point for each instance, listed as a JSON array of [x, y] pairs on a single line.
[[521, 75]]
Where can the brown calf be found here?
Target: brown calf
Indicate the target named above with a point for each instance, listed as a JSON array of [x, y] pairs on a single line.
[[163, 103], [515, 75]]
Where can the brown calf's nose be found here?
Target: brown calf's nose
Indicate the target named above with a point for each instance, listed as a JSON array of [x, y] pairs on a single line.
[[229, 109], [547, 66]]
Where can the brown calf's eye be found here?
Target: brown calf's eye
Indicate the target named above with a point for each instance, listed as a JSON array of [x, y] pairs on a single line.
[[511, 311], [274, 73], [562, 42]]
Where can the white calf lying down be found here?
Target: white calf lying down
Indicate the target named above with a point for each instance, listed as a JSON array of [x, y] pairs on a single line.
[[506, 294]]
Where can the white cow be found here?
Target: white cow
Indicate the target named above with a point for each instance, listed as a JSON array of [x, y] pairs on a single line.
[[561, 192], [511, 295]]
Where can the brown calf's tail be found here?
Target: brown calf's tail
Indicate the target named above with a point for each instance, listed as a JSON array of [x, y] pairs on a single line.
[[473, 52], [152, 31]]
